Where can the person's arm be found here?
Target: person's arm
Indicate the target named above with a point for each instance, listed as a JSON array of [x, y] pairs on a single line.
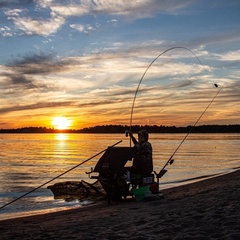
[[133, 138]]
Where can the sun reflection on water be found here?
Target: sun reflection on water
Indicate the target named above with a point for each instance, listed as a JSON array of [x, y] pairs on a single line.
[[61, 136]]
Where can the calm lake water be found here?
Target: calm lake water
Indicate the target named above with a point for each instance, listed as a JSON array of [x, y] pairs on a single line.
[[30, 160]]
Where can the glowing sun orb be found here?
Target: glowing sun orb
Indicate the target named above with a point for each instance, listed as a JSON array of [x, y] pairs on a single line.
[[61, 123]]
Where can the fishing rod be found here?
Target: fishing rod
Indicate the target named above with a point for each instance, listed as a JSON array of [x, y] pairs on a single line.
[[59, 175], [170, 160], [169, 49]]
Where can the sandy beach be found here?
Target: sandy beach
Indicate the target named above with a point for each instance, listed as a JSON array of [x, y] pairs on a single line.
[[209, 209]]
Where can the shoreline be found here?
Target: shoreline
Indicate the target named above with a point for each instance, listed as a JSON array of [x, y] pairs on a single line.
[[115, 129], [205, 209]]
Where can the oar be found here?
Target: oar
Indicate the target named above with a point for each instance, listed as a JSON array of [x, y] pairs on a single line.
[[59, 175]]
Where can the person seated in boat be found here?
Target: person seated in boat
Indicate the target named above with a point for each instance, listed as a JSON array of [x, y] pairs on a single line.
[[142, 160]]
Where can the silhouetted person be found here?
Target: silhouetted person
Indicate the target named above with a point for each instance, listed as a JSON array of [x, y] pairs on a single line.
[[142, 160]]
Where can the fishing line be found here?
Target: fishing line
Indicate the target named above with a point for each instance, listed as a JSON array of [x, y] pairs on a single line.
[[59, 175]]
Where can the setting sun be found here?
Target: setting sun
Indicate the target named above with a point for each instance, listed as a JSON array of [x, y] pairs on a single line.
[[61, 123]]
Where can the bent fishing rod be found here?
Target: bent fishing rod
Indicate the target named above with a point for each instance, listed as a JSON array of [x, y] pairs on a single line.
[[170, 160], [60, 175], [162, 53]]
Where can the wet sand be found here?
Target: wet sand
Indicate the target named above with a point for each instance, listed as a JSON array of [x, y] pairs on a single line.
[[209, 209]]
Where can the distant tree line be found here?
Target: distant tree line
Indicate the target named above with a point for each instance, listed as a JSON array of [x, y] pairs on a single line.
[[136, 128]]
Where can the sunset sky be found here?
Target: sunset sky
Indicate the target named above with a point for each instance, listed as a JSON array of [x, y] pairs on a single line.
[[82, 61]]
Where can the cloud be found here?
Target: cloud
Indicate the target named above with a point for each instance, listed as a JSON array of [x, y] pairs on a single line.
[[20, 79], [37, 64], [35, 106], [61, 10], [138, 9], [83, 28], [121, 67], [27, 73], [135, 9], [130, 9], [13, 12], [6, 32], [69, 9], [33, 25], [39, 26], [230, 56], [112, 67]]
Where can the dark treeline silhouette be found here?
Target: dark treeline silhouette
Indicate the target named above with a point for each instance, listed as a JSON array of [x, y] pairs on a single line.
[[122, 128]]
